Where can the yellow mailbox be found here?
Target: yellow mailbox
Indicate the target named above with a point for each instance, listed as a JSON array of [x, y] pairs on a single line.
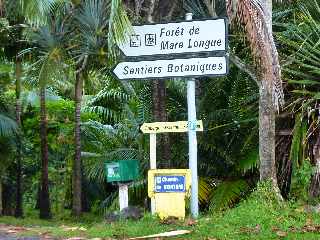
[[169, 188]]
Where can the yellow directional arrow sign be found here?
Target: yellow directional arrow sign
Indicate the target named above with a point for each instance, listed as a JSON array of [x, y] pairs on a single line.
[[163, 127]]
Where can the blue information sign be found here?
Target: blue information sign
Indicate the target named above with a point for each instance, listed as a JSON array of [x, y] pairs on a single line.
[[169, 183]]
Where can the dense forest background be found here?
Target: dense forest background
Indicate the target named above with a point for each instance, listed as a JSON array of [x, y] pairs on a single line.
[[63, 114]]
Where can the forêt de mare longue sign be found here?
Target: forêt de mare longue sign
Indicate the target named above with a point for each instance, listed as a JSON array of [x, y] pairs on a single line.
[[177, 37], [165, 127]]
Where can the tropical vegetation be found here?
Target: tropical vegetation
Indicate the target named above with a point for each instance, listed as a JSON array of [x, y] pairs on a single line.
[[63, 114]]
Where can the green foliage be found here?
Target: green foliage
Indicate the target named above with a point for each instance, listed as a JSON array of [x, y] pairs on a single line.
[[265, 192], [299, 37], [206, 186], [108, 104], [230, 141], [36, 11], [301, 181], [227, 193], [302, 37], [4, 31], [71, 36], [8, 127], [298, 142], [7, 147], [249, 162], [119, 26]]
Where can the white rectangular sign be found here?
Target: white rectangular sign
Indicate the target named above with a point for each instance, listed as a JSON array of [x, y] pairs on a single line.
[[189, 67], [164, 127], [173, 38]]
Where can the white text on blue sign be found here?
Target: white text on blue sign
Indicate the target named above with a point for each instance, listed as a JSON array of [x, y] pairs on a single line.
[[169, 183]]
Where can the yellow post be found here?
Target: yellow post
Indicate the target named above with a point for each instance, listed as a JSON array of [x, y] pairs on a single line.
[[169, 188]]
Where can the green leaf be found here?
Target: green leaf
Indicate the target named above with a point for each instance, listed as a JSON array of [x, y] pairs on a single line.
[[8, 127], [316, 96], [304, 92], [206, 185], [249, 162], [227, 193], [304, 82]]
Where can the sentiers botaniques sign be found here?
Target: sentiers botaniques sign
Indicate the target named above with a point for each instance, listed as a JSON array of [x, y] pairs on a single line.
[[170, 183], [174, 38], [189, 67]]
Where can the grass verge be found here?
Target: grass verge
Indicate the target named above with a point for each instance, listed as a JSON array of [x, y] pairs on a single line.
[[258, 217]]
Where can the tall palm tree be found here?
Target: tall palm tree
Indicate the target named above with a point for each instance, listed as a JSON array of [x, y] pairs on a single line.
[[48, 38], [49, 52], [99, 25], [255, 16]]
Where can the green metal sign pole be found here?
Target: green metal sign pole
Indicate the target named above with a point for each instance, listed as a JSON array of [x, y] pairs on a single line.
[[193, 162]]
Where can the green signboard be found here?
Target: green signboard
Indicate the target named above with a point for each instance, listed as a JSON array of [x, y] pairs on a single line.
[[122, 171]]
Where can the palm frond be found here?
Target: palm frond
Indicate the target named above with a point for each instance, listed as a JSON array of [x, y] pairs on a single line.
[[304, 46], [92, 23], [105, 143], [206, 186], [119, 26], [8, 127], [227, 193], [251, 14], [50, 51], [36, 11], [249, 162], [212, 8], [108, 103]]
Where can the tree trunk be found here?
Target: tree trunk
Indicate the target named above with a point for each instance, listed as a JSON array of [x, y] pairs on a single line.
[[18, 210], [37, 205], [267, 119], [160, 115], [85, 206], [1, 207], [45, 212], [266, 133], [76, 204], [159, 105]]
